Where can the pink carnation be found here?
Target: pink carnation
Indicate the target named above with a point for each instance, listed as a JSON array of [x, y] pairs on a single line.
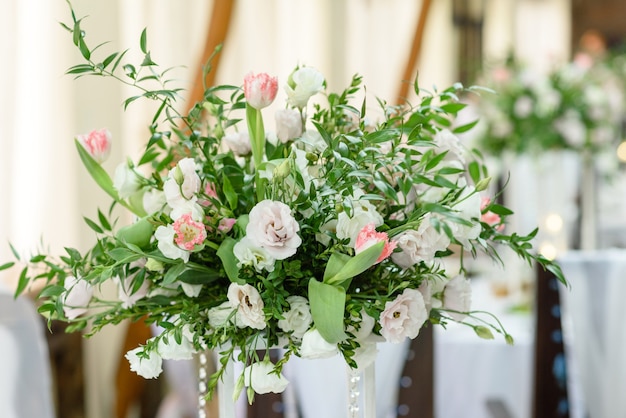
[[188, 233], [369, 236]]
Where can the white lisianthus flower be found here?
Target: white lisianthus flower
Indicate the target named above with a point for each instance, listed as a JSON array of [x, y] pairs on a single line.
[[261, 378], [403, 317], [314, 346], [171, 350], [125, 291], [329, 227], [523, 107], [218, 315], [303, 84], [288, 124], [191, 207], [247, 300], [167, 246], [298, 318], [469, 210], [447, 141], [426, 289], [191, 290], [313, 141], [363, 213], [365, 355], [183, 183], [572, 128], [149, 367], [457, 296], [78, 293], [419, 245], [273, 227], [125, 181], [248, 253], [154, 201], [238, 143]]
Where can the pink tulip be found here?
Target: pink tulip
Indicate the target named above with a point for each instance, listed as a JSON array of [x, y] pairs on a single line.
[[368, 237], [260, 89], [97, 143]]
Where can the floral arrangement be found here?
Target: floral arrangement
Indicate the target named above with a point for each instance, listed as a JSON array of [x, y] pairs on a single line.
[[576, 106], [324, 237]]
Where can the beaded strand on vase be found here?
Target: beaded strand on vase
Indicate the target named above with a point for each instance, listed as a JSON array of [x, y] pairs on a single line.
[[354, 379], [202, 375]]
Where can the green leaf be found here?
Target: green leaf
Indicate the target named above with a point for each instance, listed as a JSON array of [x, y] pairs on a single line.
[[22, 282], [356, 265], [143, 41], [52, 290], [474, 171], [93, 225], [327, 304], [172, 274], [465, 128], [229, 261], [103, 221], [118, 60], [500, 210], [335, 263], [200, 275], [108, 60], [7, 265], [231, 195]]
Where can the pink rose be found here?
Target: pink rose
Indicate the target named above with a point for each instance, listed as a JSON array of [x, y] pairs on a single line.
[[368, 237], [403, 317], [97, 143], [260, 89], [273, 228]]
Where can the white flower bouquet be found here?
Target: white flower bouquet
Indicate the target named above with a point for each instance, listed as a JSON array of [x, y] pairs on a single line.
[[326, 237], [576, 106]]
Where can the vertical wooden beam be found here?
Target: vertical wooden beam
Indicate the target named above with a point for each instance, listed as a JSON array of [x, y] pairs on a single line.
[[416, 48]]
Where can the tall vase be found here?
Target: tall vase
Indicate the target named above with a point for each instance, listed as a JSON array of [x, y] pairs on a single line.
[[588, 228], [361, 401]]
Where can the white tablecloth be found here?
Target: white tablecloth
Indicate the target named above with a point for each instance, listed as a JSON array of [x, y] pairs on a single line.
[[25, 383], [594, 314]]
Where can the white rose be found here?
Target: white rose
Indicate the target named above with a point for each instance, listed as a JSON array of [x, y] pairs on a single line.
[[403, 317], [247, 300], [272, 227], [363, 213], [218, 315], [238, 143], [457, 296], [288, 124], [166, 244], [261, 378], [304, 83], [78, 293], [315, 346], [148, 368], [298, 318], [248, 253], [171, 350], [125, 181], [419, 245], [183, 183]]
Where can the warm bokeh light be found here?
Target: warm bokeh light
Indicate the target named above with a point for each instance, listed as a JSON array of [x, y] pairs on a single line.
[[554, 222], [621, 152], [548, 250]]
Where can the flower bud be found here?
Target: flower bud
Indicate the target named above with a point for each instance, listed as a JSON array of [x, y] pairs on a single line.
[[154, 265], [97, 143], [260, 89], [138, 234], [483, 184]]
